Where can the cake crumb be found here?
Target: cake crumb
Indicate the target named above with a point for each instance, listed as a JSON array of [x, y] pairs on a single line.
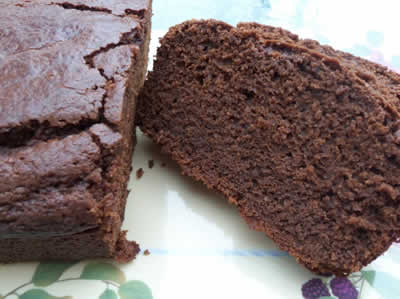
[[146, 252], [151, 164], [139, 173]]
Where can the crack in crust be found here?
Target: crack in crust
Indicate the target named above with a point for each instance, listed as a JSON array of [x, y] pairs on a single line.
[[127, 38], [82, 7], [41, 132]]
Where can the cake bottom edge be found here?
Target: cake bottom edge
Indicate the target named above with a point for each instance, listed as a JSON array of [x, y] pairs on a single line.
[[87, 245]]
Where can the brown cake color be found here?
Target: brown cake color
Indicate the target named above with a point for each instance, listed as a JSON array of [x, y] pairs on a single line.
[[303, 139], [70, 73]]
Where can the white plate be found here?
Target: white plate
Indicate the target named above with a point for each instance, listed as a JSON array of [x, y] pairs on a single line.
[[200, 247]]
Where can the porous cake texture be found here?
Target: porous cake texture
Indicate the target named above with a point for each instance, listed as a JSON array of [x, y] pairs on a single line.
[[303, 139]]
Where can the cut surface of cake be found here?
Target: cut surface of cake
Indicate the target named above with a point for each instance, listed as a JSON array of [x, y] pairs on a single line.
[[303, 139], [70, 73]]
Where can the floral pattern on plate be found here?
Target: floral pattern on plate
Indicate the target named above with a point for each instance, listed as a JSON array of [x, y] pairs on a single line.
[[350, 287], [200, 248], [114, 280]]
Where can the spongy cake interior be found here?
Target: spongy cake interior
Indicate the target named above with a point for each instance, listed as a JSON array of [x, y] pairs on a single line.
[[302, 144]]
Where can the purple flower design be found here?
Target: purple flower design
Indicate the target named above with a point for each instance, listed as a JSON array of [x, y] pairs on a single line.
[[314, 289], [343, 288]]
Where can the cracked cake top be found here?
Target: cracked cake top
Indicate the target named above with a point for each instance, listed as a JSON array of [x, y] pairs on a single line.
[[69, 73], [55, 71]]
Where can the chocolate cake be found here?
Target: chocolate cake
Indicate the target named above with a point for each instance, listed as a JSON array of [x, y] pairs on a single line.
[[70, 73], [303, 139]]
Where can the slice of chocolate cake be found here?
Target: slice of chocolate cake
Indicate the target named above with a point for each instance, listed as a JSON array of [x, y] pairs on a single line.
[[303, 139], [70, 73]]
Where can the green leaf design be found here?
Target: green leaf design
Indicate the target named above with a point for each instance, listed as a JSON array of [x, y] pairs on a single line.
[[384, 283], [135, 289], [40, 294], [103, 271], [49, 272], [108, 294], [369, 276]]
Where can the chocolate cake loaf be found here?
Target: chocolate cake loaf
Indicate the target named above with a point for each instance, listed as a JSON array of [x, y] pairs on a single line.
[[70, 73], [303, 139]]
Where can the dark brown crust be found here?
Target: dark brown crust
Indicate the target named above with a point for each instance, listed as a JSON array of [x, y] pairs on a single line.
[[303, 139], [70, 247], [70, 159], [39, 214], [64, 170]]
